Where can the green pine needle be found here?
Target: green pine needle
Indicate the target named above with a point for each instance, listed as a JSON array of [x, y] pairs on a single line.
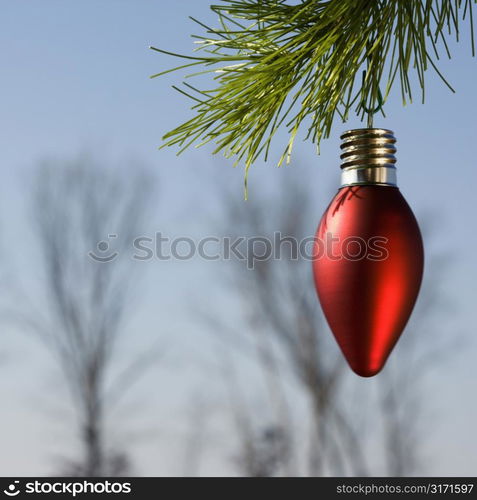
[[276, 64]]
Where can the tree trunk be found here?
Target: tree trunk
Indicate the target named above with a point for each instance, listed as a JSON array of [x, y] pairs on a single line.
[[94, 466]]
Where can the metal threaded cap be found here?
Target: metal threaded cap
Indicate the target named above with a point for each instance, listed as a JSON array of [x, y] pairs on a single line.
[[368, 157], [368, 147]]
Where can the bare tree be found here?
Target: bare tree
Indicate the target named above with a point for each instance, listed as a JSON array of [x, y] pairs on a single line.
[[85, 217]]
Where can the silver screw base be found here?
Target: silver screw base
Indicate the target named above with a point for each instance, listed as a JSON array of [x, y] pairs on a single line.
[[368, 157]]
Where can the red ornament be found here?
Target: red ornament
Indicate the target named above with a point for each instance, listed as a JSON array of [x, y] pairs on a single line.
[[369, 254]]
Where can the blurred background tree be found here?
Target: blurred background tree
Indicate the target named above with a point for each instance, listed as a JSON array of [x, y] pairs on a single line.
[[87, 283]]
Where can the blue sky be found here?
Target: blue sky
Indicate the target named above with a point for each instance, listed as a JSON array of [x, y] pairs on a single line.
[[75, 76]]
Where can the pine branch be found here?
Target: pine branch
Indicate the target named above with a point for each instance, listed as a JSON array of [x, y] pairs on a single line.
[[280, 65]]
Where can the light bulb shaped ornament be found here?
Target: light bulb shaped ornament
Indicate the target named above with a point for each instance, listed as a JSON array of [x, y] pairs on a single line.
[[368, 256]]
